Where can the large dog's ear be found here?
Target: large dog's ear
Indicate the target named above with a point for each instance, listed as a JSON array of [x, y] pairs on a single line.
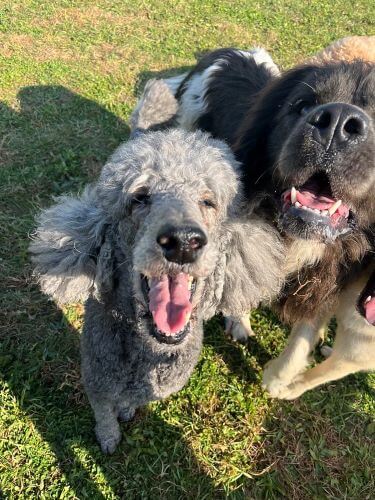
[[66, 245], [254, 261]]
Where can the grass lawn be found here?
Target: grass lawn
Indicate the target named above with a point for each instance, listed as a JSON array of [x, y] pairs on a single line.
[[68, 74]]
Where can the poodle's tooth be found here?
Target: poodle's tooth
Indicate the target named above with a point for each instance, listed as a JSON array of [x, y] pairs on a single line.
[[334, 207], [293, 195], [298, 204]]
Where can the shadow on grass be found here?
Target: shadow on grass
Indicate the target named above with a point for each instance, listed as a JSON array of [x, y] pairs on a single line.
[[54, 144]]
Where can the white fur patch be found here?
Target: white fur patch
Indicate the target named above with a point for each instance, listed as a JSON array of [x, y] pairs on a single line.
[[303, 253], [174, 82], [261, 56], [192, 104]]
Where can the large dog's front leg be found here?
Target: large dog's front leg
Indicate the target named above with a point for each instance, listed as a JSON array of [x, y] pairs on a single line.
[[332, 368], [280, 372]]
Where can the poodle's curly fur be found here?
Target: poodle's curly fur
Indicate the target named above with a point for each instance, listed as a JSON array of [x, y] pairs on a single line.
[[99, 246]]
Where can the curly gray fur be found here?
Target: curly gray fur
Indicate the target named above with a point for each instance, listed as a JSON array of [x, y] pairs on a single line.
[[156, 109], [100, 245]]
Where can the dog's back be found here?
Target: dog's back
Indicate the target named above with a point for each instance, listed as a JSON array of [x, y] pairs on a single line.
[[220, 89]]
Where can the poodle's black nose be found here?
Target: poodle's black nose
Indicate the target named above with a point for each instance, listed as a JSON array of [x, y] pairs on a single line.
[[337, 124], [181, 244]]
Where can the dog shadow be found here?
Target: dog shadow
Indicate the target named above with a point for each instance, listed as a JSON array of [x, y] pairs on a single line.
[[55, 143]]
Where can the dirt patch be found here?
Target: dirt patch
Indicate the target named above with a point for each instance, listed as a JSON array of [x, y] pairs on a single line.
[[41, 50]]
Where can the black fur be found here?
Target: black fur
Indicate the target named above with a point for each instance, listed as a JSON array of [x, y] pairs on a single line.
[[231, 93], [278, 150]]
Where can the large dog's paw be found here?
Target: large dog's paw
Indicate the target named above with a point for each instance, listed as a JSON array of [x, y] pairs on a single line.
[[239, 328], [294, 390], [108, 439], [279, 385], [275, 379]]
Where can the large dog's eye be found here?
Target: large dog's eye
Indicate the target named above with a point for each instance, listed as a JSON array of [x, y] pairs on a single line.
[[303, 106]]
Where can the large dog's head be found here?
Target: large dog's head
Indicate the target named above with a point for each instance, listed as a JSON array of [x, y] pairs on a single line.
[[156, 238], [310, 143]]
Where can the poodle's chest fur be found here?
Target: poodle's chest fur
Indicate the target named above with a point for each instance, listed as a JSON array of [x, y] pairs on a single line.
[[128, 363]]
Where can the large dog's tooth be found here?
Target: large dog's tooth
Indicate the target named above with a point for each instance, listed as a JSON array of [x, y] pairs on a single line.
[[298, 204], [334, 207], [325, 212], [368, 299], [317, 211], [293, 195]]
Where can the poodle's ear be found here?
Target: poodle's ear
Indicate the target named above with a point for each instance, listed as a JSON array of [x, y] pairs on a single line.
[[254, 261], [66, 245]]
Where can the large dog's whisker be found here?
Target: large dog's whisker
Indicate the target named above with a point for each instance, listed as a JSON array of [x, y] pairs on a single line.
[[307, 85]]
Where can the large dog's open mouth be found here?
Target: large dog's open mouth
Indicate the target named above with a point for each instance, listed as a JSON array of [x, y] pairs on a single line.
[[366, 302], [313, 207], [169, 299]]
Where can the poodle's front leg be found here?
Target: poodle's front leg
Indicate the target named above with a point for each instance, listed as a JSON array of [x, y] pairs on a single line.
[[107, 429], [239, 327], [281, 371]]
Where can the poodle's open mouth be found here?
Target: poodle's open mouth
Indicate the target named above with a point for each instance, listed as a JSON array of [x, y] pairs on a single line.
[[169, 299], [315, 210], [366, 302]]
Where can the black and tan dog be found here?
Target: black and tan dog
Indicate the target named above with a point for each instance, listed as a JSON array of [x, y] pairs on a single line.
[[306, 140]]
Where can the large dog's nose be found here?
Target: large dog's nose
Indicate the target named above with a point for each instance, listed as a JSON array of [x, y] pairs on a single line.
[[338, 124], [181, 244]]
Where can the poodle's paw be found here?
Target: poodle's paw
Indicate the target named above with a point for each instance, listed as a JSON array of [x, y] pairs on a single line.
[[126, 414], [108, 439], [326, 351], [239, 328]]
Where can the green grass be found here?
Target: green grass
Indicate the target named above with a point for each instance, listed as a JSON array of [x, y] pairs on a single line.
[[67, 80]]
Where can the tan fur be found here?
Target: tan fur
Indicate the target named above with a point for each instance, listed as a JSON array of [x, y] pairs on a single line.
[[302, 253], [312, 290], [353, 350], [347, 49]]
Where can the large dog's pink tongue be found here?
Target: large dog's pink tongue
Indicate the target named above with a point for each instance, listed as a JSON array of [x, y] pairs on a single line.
[[370, 311], [170, 302]]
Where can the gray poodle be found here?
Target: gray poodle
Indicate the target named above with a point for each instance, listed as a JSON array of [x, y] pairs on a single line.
[[154, 247]]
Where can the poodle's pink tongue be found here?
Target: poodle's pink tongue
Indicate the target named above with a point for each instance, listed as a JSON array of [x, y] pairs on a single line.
[[370, 311], [170, 302]]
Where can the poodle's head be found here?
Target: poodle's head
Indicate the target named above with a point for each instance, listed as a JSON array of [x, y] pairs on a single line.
[[152, 231]]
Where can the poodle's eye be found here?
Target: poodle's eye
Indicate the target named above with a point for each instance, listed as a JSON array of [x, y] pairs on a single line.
[[303, 106], [141, 198], [206, 202]]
